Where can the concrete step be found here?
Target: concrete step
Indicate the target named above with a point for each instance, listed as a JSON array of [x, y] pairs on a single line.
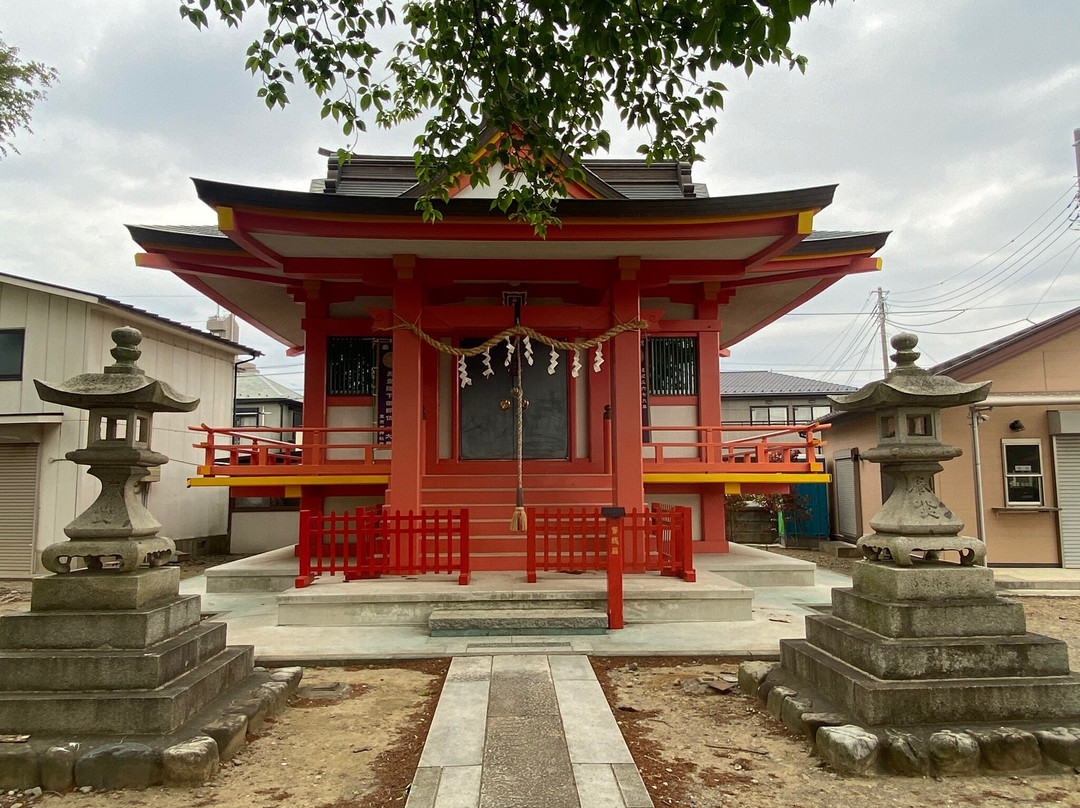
[[132, 712], [874, 702], [129, 628], [504, 622], [112, 668], [839, 549], [930, 658]]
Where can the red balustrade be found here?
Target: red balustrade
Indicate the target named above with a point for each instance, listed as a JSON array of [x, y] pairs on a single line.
[[732, 448], [374, 542], [269, 451], [576, 540]]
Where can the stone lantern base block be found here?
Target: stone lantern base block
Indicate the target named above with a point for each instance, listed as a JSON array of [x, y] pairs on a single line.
[[924, 580], [106, 590]]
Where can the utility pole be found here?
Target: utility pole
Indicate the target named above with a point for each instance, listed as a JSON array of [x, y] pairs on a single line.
[[881, 328]]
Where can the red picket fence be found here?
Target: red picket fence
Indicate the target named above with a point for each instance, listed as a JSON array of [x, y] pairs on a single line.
[[576, 540], [373, 542]]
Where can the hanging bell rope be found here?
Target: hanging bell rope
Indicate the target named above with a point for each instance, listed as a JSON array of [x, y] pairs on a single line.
[[519, 521]]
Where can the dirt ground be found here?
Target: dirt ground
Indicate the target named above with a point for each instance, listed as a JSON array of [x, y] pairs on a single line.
[[694, 748]]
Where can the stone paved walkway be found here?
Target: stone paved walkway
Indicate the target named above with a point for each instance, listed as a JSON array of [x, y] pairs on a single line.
[[525, 731]]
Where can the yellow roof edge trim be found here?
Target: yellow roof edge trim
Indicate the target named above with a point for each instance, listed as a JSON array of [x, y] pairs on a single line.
[[806, 222], [725, 477], [225, 218]]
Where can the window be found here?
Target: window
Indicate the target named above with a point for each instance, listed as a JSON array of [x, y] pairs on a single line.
[[671, 366], [768, 415], [1022, 460], [11, 354], [246, 418], [805, 414], [350, 366]]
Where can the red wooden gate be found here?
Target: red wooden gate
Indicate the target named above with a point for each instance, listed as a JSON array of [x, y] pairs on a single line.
[[373, 542], [576, 540]]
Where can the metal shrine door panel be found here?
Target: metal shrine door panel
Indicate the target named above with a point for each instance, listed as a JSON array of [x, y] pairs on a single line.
[[486, 408]]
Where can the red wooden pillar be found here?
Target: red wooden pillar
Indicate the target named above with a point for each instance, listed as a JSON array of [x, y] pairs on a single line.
[[628, 490], [316, 313], [709, 415], [406, 457]]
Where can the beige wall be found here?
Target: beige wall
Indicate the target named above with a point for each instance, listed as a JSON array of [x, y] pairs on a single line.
[[1013, 535]]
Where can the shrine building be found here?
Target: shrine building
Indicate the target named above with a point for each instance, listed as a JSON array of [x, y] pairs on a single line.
[[426, 345]]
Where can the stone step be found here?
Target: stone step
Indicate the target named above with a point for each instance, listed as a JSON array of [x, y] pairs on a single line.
[[967, 617], [839, 549], [873, 702], [133, 628], [111, 669], [930, 658], [501, 622], [131, 712]]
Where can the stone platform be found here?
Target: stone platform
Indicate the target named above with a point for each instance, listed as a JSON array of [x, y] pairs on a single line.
[[931, 644], [102, 653], [723, 591]]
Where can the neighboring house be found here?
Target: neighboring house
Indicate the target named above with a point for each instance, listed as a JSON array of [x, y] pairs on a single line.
[[262, 402], [378, 301], [1029, 450], [263, 522], [53, 333], [766, 399]]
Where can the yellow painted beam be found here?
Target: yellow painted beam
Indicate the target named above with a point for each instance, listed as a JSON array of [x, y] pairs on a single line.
[[722, 477], [266, 482]]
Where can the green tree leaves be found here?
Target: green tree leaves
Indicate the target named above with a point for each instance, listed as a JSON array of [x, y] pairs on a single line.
[[22, 84], [541, 71]]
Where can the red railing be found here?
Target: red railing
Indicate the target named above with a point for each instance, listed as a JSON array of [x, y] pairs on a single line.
[[268, 451], [720, 448], [373, 542], [577, 540]]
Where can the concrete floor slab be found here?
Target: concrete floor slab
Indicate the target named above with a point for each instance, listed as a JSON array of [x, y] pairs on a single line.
[[469, 669], [456, 736], [597, 786], [459, 787], [529, 665], [526, 764], [592, 736], [570, 667], [522, 695]]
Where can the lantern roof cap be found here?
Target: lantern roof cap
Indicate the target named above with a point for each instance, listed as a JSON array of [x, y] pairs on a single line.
[[122, 384], [908, 385]]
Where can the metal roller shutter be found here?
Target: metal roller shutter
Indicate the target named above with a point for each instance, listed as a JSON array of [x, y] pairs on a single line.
[[18, 508], [1067, 477], [847, 523]]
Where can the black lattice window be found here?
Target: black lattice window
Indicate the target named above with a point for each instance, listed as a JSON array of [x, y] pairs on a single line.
[[672, 366], [350, 366]]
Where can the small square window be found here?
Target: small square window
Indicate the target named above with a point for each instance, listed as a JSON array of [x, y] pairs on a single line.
[[11, 353], [887, 427], [1022, 460]]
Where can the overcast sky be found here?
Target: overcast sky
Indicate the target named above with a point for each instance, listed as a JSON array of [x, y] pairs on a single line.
[[948, 123]]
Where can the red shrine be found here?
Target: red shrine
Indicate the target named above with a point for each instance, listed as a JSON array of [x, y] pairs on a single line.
[[608, 333]]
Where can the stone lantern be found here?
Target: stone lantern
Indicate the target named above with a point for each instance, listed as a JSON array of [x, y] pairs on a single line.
[[122, 400], [907, 405]]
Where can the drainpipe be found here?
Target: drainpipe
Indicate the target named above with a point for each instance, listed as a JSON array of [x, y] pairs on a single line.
[[976, 413]]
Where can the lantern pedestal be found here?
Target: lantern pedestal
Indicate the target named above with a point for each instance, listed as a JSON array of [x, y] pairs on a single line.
[[112, 649]]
